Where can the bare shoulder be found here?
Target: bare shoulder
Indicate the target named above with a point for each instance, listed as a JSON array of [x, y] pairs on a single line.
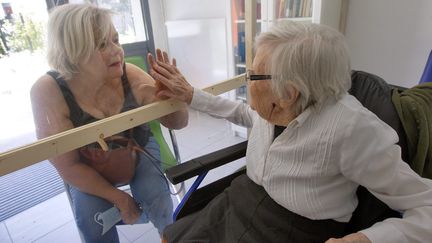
[[142, 84], [43, 84], [51, 116], [50, 111], [46, 91]]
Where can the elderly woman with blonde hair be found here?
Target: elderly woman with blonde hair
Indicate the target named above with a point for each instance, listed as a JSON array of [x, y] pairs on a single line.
[[89, 82], [311, 145]]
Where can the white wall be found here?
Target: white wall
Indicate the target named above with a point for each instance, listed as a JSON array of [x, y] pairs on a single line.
[[193, 31], [162, 11], [390, 38], [194, 9]]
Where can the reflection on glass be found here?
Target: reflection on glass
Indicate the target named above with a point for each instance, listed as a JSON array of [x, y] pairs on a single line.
[[128, 20]]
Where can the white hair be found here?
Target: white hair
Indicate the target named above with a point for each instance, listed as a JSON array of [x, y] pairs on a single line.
[[75, 32], [312, 58]]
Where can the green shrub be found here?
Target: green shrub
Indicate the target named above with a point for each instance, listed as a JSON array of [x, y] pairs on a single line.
[[2, 50], [26, 36]]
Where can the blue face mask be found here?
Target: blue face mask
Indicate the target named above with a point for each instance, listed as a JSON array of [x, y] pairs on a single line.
[[107, 219]]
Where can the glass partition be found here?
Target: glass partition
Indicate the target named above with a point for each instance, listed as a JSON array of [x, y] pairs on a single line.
[[23, 60], [21, 69]]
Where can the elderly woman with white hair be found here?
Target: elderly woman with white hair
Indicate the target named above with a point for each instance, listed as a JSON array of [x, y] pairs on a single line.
[[311, 145], [90, 81]]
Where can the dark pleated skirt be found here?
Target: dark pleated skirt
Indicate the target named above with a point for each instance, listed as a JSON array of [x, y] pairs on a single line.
[[244, 212]]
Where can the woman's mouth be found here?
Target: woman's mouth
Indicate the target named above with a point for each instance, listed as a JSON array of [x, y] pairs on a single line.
[[115, 64]]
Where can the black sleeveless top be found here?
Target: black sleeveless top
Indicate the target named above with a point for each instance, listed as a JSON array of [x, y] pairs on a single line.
[[79, 117]]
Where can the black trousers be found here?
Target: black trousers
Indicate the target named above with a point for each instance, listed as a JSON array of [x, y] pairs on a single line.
[[244, 212]]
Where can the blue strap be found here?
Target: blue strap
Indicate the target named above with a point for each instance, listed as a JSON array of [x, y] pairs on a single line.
[[193, 188]]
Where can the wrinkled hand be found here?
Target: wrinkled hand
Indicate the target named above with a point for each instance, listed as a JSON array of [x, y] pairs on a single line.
[[351, 238], [170, 82], [129, 210]]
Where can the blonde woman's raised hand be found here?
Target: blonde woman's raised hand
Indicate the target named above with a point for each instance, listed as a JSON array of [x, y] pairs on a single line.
[[170, 82]]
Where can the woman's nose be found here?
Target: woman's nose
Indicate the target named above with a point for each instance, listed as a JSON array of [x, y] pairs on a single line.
[[116, 49]]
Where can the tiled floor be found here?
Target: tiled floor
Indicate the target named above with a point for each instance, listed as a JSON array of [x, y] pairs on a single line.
[[52, 221]]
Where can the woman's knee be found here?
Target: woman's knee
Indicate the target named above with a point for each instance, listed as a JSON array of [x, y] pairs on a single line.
[[85, 207]]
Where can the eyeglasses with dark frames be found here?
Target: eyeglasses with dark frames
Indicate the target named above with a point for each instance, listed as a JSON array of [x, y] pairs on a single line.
[[250, 76]]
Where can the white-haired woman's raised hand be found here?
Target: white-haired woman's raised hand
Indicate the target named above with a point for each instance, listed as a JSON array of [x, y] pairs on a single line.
[[170, 82]]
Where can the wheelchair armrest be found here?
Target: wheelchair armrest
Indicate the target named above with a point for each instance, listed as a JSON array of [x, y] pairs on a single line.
[[206, 162]]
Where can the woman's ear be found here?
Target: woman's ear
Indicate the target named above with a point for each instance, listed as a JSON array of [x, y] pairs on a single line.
[[292, 95]]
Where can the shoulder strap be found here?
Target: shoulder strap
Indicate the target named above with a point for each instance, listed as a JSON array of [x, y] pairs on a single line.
[[140, 133], [125, 81], [129, 102], [75, 111]]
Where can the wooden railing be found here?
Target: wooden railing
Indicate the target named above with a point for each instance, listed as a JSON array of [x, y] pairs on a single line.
[[63, 142]]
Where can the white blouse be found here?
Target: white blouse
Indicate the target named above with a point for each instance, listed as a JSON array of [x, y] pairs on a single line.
[[315, 166]]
